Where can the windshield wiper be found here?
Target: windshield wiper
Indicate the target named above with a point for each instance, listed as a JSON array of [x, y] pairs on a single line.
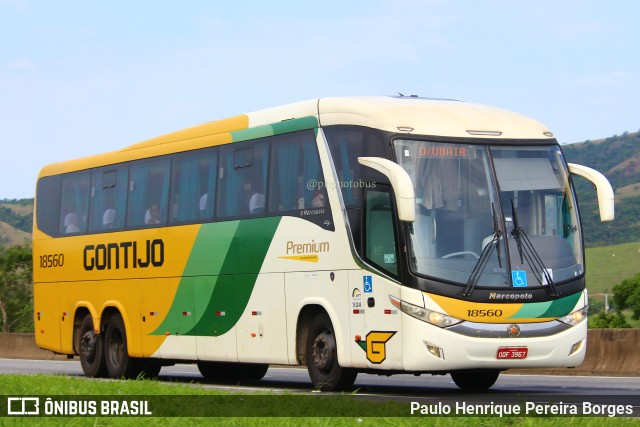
[[485, 255], [529, 254], [496, 234]]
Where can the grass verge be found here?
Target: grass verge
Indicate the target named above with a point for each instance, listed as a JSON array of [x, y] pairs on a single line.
[[173, 395]]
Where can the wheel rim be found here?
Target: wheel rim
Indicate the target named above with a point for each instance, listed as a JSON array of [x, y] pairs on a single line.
[[88, 346], [322, 351]]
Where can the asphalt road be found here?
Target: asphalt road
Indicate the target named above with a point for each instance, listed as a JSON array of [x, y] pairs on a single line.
[[289, 379], [510, 391]]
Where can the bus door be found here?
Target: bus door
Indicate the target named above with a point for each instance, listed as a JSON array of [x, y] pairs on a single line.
[[382, 341]]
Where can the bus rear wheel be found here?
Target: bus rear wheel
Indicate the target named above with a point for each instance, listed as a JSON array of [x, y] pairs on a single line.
[[90, 349], [475, 380], [119, 364], [322, 357], [232, 371]]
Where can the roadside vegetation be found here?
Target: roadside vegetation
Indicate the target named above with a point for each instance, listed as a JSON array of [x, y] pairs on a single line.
[[16, 289], [369, 412]]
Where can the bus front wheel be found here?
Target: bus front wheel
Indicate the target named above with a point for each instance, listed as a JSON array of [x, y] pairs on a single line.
[[475, 380], [90, 349], [322, 357]]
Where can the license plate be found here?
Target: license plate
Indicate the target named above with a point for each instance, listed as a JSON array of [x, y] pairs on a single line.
[[512, 353]]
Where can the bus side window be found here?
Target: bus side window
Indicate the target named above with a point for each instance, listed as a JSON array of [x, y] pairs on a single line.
[[108, 198], [296, 181], [75, 203], [380, 241], [193, 185], [242, 179], [347, 143], [148, 191]]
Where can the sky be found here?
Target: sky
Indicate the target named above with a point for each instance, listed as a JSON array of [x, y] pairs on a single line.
[[83, 77]]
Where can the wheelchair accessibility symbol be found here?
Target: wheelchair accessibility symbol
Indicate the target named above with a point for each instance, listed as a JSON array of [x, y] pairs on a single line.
[[519, 278], [367, 283]]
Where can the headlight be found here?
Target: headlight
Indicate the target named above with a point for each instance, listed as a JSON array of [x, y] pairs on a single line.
[[426, 315], [575, 317]]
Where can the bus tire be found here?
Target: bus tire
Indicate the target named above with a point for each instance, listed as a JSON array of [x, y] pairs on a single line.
[[90, 349], [322, 357], [116, 353], [475, 380], [150, 368], [228, 371]]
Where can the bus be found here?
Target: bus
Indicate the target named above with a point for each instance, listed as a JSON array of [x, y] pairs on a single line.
[[381, 235]]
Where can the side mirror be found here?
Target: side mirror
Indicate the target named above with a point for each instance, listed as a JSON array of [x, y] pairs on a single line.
[[401, 183], [603, 188]]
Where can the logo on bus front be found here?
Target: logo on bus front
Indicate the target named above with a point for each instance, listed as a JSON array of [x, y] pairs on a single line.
[[376, 345]]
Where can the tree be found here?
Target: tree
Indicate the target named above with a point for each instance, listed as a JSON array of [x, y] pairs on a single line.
[[16, 289], [595, 306], [609, 320], [627, 295]]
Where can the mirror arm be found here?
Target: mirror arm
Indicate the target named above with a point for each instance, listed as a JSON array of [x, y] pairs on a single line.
[[401, 183], [603, 188]]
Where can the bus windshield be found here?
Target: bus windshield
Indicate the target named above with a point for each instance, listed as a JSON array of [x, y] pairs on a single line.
[[492, 216]]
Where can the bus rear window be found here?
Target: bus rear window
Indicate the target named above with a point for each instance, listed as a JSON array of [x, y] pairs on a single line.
[[48, 204]]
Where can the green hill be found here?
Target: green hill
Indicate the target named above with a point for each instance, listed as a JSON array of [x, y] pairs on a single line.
[[607, 266], [16, 221], [618, 158]]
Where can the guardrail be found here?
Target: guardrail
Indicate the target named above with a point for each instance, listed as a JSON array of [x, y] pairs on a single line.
[[610, 352]]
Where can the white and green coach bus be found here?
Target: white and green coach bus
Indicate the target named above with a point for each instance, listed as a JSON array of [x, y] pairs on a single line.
[[360, 234]]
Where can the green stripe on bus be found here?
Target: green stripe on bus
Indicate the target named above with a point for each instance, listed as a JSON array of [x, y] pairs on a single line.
[[563, 306], [558, 308], [531, 310], [294, 125], [219, 277], [286, 126], [237, 277]]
